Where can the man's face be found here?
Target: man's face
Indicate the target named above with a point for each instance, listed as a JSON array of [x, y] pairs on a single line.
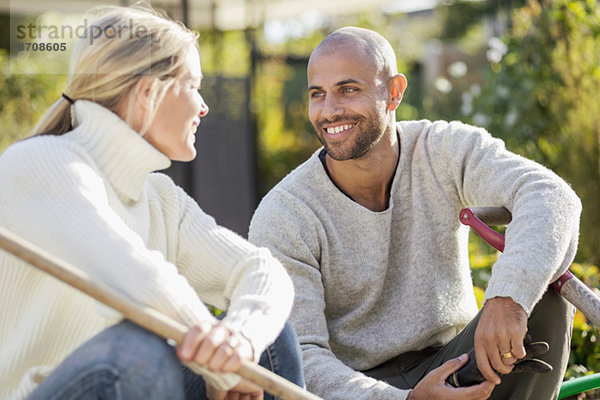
[[347, 101]]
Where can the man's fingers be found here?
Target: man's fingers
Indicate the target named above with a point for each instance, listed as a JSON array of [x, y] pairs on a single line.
[[483, 363], [481, 391], [498, 361], [508, 358], [449, 367], [518, 349]]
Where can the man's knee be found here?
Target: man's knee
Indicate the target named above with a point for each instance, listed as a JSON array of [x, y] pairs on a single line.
[[552, 321], [552, 315]]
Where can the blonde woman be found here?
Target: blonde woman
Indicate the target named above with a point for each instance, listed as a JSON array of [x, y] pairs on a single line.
[[84, 188]]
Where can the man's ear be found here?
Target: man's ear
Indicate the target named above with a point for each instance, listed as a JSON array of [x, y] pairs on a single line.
[[396, 87]]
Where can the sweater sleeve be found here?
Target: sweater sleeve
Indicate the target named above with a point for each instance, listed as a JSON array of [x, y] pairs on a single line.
[[58, 201], [542, 238], [233, 275], [293, 233]]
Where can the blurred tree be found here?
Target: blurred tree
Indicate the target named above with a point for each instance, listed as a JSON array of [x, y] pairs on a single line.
[[461, 15], [25, 94], [543, 97]]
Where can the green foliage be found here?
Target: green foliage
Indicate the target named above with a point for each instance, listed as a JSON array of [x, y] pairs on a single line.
[[224, 53], [460, 15], [24, 97], [543, 98], [285, 136]]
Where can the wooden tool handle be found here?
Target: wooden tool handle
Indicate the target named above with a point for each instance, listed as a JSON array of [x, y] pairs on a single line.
[[583, 298], [143, 316]]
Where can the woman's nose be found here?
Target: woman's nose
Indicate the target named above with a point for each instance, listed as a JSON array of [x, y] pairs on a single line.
[[203, 108]]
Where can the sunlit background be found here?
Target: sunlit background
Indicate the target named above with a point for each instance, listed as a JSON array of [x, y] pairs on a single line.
[[528, 71]]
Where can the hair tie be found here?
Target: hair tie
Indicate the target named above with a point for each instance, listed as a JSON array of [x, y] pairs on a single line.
[[67, 98]]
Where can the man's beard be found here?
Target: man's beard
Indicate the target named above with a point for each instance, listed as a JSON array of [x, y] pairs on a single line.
[[364, 141]]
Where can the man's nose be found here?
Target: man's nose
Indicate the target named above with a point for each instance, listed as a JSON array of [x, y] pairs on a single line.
[[332, 108]]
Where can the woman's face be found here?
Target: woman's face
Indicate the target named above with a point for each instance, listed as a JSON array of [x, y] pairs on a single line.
[[174, 126]]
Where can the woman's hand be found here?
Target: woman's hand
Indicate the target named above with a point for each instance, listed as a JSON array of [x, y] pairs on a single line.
[[434, 385], [242, 391], [215, 346]]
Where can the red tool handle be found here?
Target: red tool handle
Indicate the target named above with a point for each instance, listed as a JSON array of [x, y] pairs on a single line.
[[468, 216], [495, 239], [571, 288]]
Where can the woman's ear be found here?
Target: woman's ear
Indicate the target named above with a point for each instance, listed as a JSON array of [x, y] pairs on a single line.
[[396, 87], [141, 92], [135, 106]]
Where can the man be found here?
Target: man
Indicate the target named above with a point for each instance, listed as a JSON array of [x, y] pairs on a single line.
[[368, 229]]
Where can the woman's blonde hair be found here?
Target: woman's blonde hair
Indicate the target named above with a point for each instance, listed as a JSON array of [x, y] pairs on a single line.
[[121, 47]]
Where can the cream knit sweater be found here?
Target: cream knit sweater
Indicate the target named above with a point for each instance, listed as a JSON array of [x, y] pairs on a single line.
[[373, 285], [90, 198]]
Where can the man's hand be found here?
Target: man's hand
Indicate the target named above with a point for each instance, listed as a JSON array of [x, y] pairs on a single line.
[[242, 391], [469, 374], [434, 385], [499, 337]]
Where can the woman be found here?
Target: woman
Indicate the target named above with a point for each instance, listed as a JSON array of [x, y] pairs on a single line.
[[83, 188]]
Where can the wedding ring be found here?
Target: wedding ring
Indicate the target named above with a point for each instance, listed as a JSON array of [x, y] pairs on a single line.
[[506, 355]]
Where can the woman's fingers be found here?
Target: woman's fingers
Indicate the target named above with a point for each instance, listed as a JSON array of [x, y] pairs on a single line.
[[215, 346], [212, 346], [186, 351]]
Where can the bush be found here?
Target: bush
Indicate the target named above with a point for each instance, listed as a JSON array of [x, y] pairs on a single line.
[[543, 99], [24, 97]]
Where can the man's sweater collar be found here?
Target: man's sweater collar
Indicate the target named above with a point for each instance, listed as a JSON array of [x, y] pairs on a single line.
[[120, 152]]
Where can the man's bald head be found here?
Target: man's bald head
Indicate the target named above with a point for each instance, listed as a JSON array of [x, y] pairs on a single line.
[[371, 46]]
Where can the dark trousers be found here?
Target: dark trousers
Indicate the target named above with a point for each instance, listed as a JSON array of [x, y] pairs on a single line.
[[551, 321]]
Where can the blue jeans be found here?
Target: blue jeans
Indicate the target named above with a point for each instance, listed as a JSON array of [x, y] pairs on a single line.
[[127, 362]]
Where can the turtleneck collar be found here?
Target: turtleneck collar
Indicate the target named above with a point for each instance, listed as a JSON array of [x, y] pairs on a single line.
[[119, 151]]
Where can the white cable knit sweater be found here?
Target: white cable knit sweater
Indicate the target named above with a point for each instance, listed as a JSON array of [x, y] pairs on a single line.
[[90, 198], [373, 285]]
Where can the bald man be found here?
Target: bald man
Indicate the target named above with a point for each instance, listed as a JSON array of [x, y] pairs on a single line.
[[368, 229]]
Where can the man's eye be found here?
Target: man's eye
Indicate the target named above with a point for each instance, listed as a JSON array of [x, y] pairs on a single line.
[[348, 89], [316, 94]]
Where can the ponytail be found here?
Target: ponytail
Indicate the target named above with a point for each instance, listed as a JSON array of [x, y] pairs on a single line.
[[107, 70], [56, 121]]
